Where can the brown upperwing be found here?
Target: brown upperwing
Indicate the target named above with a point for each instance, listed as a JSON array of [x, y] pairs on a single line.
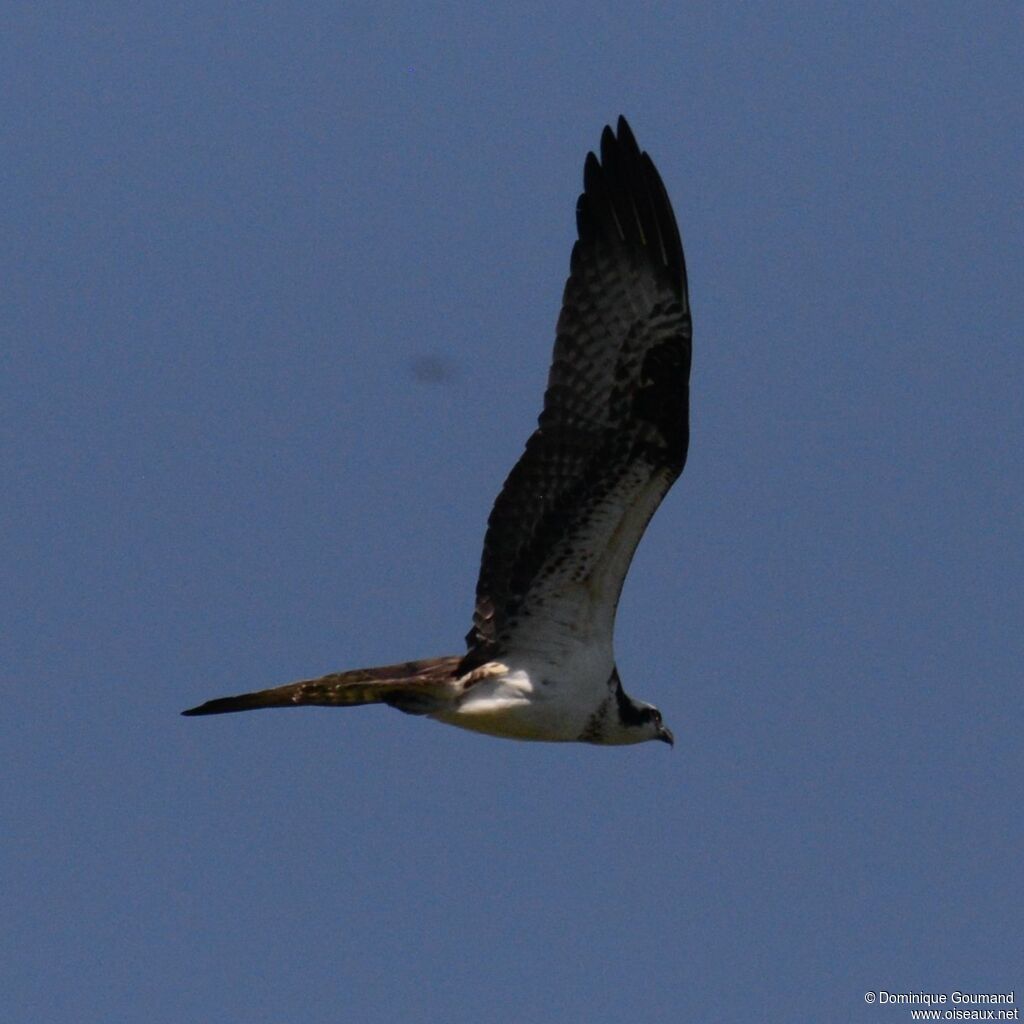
[[416, 687]]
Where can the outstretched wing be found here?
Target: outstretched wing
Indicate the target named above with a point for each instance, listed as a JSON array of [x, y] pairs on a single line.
[[613, 434], [416, 687]]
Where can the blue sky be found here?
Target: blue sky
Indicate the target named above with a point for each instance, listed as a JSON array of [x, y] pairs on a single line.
[[233, 237]]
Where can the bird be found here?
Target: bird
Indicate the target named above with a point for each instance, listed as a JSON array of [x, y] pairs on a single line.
[[610, 441]]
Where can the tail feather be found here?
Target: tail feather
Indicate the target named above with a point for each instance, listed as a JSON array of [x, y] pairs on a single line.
[[414, 686]]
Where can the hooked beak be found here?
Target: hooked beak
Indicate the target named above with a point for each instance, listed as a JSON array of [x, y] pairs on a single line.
[[665, 735]]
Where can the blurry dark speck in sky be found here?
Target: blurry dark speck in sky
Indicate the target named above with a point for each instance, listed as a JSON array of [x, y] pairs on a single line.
[[432, 368]]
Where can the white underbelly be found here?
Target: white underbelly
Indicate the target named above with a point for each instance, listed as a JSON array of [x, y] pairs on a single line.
[[529, 705]]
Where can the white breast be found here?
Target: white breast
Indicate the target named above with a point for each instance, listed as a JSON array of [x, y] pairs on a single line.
[[536, 698]]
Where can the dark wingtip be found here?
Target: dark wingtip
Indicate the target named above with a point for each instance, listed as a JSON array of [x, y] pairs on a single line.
[[200, 709], [223, 705], [624, 200]]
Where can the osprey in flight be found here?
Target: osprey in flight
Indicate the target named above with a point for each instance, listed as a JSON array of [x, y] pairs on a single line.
[[611, 439]]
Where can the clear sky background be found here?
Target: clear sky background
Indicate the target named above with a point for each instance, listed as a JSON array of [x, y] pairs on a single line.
[[279, 290]]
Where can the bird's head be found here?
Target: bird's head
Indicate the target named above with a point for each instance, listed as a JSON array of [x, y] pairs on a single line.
[[636, 721], [649, 725]]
